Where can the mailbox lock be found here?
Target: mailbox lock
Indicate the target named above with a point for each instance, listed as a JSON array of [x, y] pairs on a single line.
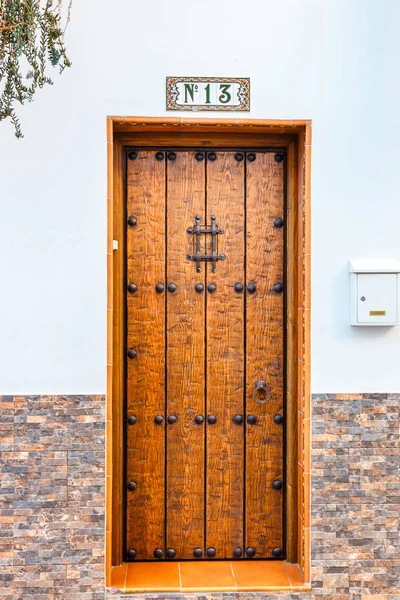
[[363, 298]]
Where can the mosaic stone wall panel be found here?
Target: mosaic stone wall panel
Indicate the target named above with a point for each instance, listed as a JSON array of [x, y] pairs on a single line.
[[52, 496], [52, 469], [356, 496]]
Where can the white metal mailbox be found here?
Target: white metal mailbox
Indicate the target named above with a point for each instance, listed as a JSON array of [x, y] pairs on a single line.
[[374, 292]]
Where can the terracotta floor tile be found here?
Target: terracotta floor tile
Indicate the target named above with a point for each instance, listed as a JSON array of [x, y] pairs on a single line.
[[153, 577], [118, 577], [207, 577], [257, 576], [294, 574], [244, 576]]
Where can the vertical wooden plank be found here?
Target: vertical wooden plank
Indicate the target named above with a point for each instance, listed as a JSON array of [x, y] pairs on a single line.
[[185, 359], [146, 334], [117, 371], [264, 353], [291, 317], [225, 358]]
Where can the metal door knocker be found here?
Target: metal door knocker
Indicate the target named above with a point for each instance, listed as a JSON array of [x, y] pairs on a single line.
[[261, 391]]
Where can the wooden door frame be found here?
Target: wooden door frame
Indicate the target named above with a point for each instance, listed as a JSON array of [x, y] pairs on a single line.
[[295, 136]]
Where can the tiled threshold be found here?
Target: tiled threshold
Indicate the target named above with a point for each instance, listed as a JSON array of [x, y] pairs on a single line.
[[223, 576]]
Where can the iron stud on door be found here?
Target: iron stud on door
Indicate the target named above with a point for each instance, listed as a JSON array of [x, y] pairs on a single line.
[[132, 221], [132, 288]]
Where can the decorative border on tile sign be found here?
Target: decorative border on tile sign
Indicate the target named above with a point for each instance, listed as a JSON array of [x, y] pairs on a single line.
[[52, 500], [243, 93]]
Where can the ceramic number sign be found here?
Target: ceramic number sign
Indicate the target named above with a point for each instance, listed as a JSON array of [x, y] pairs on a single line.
[[208, 93]]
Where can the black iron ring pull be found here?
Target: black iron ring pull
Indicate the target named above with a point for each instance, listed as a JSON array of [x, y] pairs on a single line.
[[261, 386]]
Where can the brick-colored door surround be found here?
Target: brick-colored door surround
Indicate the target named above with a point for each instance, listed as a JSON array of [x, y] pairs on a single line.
[[295, 136]]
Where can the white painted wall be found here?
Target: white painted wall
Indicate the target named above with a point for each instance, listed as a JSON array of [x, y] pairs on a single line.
[[334, 61]]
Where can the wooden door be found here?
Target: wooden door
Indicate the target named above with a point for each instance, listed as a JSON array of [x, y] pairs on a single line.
[[204, 354]]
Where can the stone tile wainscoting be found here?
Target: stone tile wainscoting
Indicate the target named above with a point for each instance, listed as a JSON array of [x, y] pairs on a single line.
[[52, 470], [52, 484]]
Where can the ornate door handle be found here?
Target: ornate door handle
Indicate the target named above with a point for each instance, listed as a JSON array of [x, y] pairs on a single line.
[[197, 230]]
